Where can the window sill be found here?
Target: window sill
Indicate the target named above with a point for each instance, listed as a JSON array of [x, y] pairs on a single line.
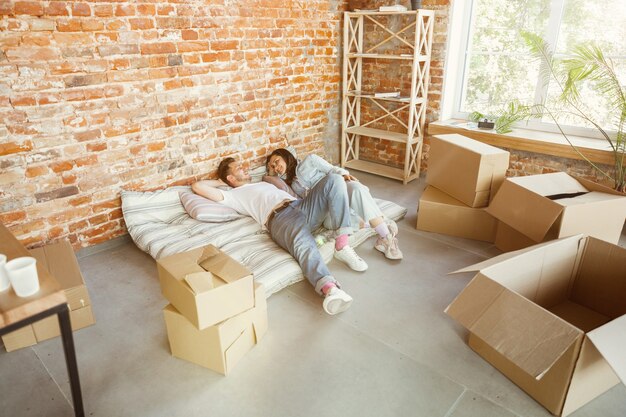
[[596, 150]]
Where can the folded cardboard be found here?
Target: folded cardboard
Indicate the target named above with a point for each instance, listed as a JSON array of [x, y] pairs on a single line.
[[550, 206], [60, 261], [468, 170], [508, 239], [552, 318], [221, 346], [206, 285], [440, 213]]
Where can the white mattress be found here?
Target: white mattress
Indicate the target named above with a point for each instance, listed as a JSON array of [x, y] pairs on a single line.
[[159, 225]]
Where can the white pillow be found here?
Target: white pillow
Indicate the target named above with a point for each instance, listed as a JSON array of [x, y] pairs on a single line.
[[205, 210]]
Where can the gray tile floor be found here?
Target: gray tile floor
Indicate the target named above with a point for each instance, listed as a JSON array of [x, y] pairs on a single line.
[[394, 353]]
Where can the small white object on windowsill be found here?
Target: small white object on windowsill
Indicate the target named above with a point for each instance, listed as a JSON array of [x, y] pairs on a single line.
[[393, 8]]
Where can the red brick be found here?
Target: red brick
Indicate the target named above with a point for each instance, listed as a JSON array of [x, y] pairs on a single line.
[[9, 218], [125, 10], [7, 8], [87, 160], [35, 171], [91, 25], [69, 25], [31, 8], [141, 24], [189, 35], [81, 9], [224, 45], [61, 166], [8, 148], [158, 48], [23, 101], [103, 10], [146, 9]]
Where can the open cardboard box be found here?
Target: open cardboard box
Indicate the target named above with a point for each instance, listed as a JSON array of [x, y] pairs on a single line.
[[552, 318], [221, 346], [539, 208], [440, 213], [59, 259], [206, 285], [468, 170]]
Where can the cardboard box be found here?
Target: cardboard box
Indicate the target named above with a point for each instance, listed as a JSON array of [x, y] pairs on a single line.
[[468, 170], [550, 206], [219, 347], [440, 213], [206, 285], [60, 261], [552, 318]]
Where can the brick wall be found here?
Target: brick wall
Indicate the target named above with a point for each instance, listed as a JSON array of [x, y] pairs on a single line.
[[98, 96]]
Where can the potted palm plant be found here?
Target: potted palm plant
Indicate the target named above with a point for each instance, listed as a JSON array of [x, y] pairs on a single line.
[[586, 63]]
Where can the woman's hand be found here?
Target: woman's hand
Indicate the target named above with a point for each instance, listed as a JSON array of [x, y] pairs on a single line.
[[270, 171], [349, 177]]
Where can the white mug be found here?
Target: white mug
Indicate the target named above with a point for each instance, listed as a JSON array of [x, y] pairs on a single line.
[[23, 275], [4, 276]]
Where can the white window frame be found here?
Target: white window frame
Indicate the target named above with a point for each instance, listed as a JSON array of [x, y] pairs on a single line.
[[458, 38]]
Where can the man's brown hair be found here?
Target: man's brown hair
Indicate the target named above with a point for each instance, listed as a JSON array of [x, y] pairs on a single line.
[[223, 170]]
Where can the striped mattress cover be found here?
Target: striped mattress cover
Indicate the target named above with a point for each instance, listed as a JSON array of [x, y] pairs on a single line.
[[159, 225]]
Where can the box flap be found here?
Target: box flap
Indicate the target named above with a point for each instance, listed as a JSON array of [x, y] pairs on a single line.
[[610, 340], [524, 333], [222, 265], [594, 186], [200, 281], [524, 210], [508, 255]]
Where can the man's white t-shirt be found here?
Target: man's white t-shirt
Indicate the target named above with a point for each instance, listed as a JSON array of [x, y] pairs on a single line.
[[256, 200]]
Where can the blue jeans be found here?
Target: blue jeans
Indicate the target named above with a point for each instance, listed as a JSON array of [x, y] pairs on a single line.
[[291, 227]]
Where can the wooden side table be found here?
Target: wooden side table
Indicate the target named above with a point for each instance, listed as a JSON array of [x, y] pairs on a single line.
[[17, 312]]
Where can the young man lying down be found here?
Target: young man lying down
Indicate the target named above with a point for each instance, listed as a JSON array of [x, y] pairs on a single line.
[[290, 222]]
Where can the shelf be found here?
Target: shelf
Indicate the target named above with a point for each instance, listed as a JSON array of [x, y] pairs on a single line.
[[407, 57], [404, 99], [379, 134], [358, 13], [378, 169]]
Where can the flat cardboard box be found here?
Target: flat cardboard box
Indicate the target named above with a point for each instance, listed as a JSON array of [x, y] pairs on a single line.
[[60, 261], [206, 285], [438, 212], [219, 347], [550, 206], [468, 170], [552, 318]]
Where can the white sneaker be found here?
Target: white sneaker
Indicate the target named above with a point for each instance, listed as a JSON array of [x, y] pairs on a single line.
[[388, 246], [336, 301], [348, 256], [392, 226]]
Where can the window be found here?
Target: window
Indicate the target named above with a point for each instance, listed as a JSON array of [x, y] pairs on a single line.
[[495, 67]]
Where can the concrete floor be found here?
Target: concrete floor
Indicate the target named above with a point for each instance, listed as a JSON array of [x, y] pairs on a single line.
[[394, 353]]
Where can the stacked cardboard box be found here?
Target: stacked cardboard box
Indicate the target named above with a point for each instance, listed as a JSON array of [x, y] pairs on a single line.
[[552, 318], [463, 175], [59, 260], [217, 312], [539, 208]]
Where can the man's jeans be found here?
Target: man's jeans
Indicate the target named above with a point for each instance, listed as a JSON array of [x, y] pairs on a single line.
[[291, 227]]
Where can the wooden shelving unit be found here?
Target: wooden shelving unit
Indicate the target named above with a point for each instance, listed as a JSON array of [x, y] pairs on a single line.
[[354, 126]]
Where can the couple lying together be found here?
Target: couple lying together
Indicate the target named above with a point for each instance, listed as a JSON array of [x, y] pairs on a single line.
[[313, 193]]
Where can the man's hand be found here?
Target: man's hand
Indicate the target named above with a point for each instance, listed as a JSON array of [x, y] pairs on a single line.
[[349, 177]]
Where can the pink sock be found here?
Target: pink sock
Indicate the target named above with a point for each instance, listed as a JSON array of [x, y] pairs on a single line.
[[382, 230], [341, 241], [327, 287]]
